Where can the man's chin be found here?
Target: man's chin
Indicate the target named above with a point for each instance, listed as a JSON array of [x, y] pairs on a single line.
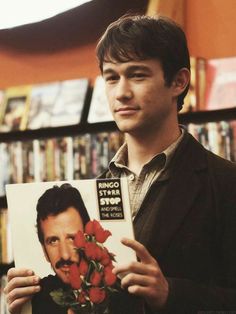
[[129, 126], [64, 276]]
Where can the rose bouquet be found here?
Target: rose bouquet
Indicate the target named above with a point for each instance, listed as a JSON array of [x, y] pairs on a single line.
[[91, 279]]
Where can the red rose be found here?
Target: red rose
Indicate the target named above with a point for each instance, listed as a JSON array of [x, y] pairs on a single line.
[[90, 250], [95, 278], [93, 251], [96, 295], [105, 260], [96, 225], [109, 277], [98, 253], [83, 267], [92, 226], [79, 240], [111, 266], [101, 235], [89, 228], [74, 276]]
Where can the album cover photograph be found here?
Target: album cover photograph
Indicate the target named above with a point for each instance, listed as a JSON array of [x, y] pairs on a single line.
[[69, 233]]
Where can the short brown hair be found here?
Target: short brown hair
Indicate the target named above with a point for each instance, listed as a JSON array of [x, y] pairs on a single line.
[[142, 37], [57, 200]]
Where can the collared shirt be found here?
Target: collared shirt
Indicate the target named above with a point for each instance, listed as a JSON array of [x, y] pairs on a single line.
[[151, 171]]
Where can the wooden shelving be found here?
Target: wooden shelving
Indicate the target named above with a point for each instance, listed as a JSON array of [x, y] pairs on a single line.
[[84, 127]]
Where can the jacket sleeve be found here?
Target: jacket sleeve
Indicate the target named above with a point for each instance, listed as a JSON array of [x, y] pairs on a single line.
[[219, 294], [187, 296]]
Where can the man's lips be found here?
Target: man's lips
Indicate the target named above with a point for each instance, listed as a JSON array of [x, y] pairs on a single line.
[[65, 268], [126, 110]]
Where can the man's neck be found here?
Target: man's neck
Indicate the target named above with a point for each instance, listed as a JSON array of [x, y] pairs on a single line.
[[141, 149]]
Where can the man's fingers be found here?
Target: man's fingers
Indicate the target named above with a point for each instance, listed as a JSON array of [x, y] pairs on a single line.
[[21, 282], [17, 304], [136, 267], [147, 266], [22, 292], [136, 279], [141, 252], [139, 290], [21, 272], [22, 285], [19, 296]]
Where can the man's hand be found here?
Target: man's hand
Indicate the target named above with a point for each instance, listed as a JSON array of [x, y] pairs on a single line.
[[22, 285], [143, 278]]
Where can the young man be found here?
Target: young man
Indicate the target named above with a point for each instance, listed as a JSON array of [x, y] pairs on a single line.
[[183, 197]]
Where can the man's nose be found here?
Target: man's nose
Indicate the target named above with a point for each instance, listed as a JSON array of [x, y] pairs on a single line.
[[123, 90], [65, 251]]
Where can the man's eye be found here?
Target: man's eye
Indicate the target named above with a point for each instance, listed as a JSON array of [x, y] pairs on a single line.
[[72, 238], [52, 241], [139, 75], [111, 78]]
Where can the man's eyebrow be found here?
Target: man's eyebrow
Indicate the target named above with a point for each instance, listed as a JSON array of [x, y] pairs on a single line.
[[108, 71], [140, 67], [131, 68], [71, 234]]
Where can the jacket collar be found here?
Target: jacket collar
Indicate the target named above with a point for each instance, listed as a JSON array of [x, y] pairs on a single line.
[[183, 188]]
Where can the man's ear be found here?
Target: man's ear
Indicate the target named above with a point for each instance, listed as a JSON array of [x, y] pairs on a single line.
[[45, 253], [180, 82]]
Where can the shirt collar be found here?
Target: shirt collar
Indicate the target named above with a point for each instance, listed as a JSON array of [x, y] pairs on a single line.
[[119, 161]]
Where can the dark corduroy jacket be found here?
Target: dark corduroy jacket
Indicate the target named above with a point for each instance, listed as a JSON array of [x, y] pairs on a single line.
[[187, 221]]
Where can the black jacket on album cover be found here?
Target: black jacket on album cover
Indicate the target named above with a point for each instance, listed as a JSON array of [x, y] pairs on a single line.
[[42, 302], [187, 221]]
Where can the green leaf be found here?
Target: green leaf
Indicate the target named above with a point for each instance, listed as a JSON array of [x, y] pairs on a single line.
[[62, 297]]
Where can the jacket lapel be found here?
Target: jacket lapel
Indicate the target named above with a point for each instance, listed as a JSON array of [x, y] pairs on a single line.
[[182, 189]]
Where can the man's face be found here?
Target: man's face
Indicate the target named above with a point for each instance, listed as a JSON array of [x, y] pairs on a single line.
[[138, 97], [59, 232]]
